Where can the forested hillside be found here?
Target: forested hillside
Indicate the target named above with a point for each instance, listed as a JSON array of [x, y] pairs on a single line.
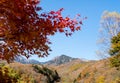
[[75, 71]]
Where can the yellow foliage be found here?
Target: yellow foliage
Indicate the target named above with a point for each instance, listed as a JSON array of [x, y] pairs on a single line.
[[75, 67], [100, 79]]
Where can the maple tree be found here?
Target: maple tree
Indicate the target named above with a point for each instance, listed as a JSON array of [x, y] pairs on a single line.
[[25, 32]]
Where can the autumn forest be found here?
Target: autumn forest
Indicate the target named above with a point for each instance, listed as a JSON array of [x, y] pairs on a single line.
[[25, 31]]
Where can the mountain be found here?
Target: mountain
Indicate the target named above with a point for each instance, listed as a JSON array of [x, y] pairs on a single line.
[[26, 61], [56, 61], [70, 70], [60, 60]]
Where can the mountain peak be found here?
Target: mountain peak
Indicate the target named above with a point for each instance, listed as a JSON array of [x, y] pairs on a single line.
[[60, 60]]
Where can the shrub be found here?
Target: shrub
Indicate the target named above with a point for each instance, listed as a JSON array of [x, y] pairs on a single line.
[[52, 76], [8, 75], [115, 61]]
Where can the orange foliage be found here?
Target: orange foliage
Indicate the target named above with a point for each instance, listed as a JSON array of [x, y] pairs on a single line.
[[25, 32]]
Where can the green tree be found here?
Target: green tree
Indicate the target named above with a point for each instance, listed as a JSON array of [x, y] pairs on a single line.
[[115, 51]]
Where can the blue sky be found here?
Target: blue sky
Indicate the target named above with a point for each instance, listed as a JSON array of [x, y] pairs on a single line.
[[82, 44]]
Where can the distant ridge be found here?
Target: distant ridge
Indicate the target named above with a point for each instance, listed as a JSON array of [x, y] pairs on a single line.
[[26, 61]]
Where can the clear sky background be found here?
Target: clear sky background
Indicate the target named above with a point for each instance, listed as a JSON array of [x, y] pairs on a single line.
[[82, 44]]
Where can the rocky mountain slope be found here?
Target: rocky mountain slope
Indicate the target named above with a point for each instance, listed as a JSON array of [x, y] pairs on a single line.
[[60, 60]]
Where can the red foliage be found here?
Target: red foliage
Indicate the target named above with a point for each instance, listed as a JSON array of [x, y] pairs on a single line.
[[25, 32]]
